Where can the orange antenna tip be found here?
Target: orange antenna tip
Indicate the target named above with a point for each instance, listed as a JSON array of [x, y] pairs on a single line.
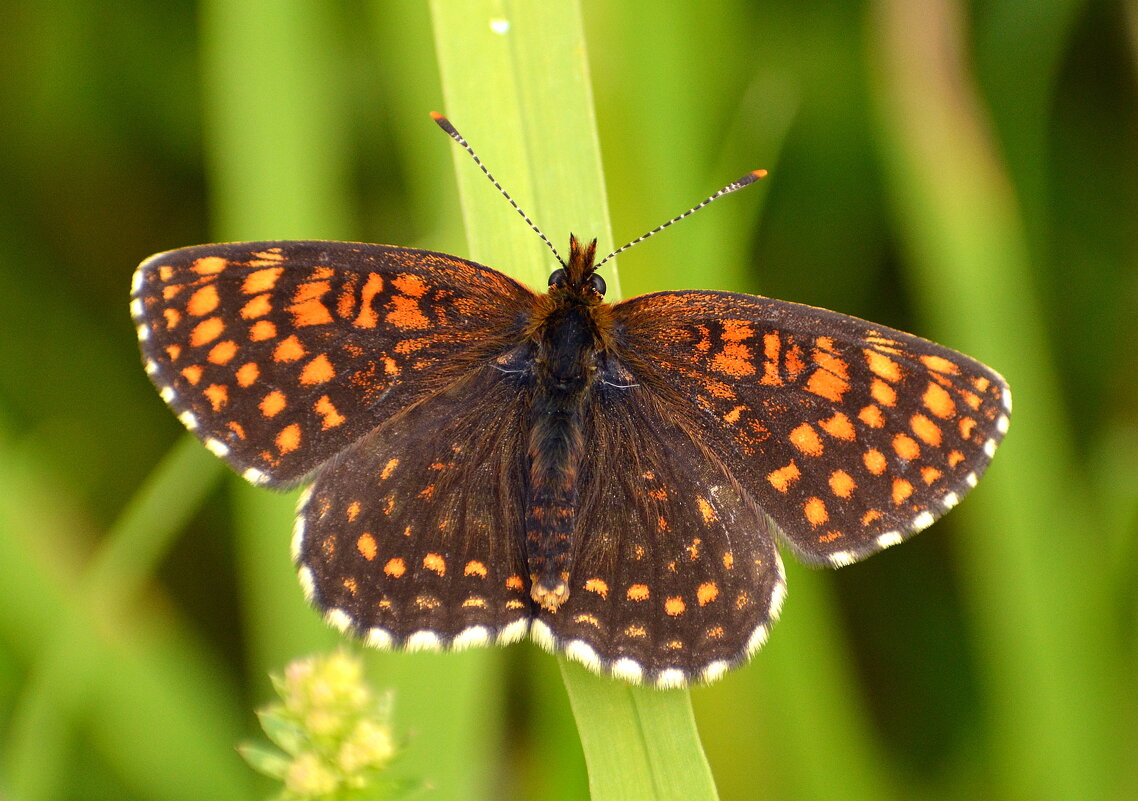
[[759, 173]]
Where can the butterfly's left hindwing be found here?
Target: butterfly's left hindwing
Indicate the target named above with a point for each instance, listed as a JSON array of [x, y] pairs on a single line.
[[413, 536], [278, 355]]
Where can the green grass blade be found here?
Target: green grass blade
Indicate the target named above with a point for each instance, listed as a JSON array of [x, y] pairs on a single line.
[[513, 74], [107, 658], [286, 176], [1037, 598]]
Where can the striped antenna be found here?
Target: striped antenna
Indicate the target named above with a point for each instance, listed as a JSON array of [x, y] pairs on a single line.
[[453, 133], [746, 180]]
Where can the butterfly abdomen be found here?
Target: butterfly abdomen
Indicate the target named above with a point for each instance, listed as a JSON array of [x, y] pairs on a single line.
[[565, 366]]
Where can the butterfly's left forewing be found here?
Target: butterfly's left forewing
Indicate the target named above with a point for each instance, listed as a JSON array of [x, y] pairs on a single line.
[[851, 436], [279, 355]]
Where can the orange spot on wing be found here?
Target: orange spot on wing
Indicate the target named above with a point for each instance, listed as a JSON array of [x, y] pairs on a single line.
[[409, 284], [814, 509], [247, 374], [395, 567], [222, 352], [372, 287], [706, 511], [206, 331], [937, 400], [732, 417], [637, 592], [203, 301], [209, 265], [870, 517], [599, 586], [881, 365], [930, 474], [405, 314], [367, 546], [955, 458], [966, 426], [273, 403], [674, 606], [839, 427], [771, 346], [928, 431], [906, 447], [389, 468], [972, 399], [310, 312], [940, 364], [737, 330], [332, 417], [515, 583], [174, 352], [193, 373], [902, 489], [317, 371], [784, 477], [288, 439], [262, 330], [872, 416], [806, 440], [842, 484], [257, 306], [218, 395], [288, 350], [827, 385], [435, 562], [734, 360], [261, 280], [883, 393], [173, 317], [475, 568], [874, 461], [311, 290], [707, 592]]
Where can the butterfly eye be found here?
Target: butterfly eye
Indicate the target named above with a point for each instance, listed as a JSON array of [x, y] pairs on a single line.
[[597, 283], [557, 277]]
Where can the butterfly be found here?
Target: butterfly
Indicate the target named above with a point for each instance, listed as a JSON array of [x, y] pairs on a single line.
[[486, 462]]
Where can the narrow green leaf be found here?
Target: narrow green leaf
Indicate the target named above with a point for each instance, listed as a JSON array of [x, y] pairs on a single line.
[[516, 84]]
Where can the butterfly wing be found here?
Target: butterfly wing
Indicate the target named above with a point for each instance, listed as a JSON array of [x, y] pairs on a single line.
[[675, 571], [412, 537], [851, 436], [279, 355]]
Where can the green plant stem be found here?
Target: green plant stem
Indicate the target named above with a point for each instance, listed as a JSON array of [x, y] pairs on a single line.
[[516, 84]]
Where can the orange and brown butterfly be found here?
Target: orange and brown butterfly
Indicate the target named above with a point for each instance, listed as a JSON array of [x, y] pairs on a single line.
[[488, 462]]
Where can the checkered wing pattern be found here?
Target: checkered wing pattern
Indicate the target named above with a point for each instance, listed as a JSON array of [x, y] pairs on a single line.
[[279, 355], [850, 436], [676, 575], [413, 536]]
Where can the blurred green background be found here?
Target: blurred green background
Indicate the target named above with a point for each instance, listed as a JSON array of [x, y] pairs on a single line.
[[967, 172]]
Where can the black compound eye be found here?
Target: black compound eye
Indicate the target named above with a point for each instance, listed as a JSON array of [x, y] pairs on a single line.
[[557, 277], [597, 283]]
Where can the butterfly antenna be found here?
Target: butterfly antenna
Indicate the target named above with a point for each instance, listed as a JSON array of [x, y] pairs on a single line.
[[746, 180], [453, 133]]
